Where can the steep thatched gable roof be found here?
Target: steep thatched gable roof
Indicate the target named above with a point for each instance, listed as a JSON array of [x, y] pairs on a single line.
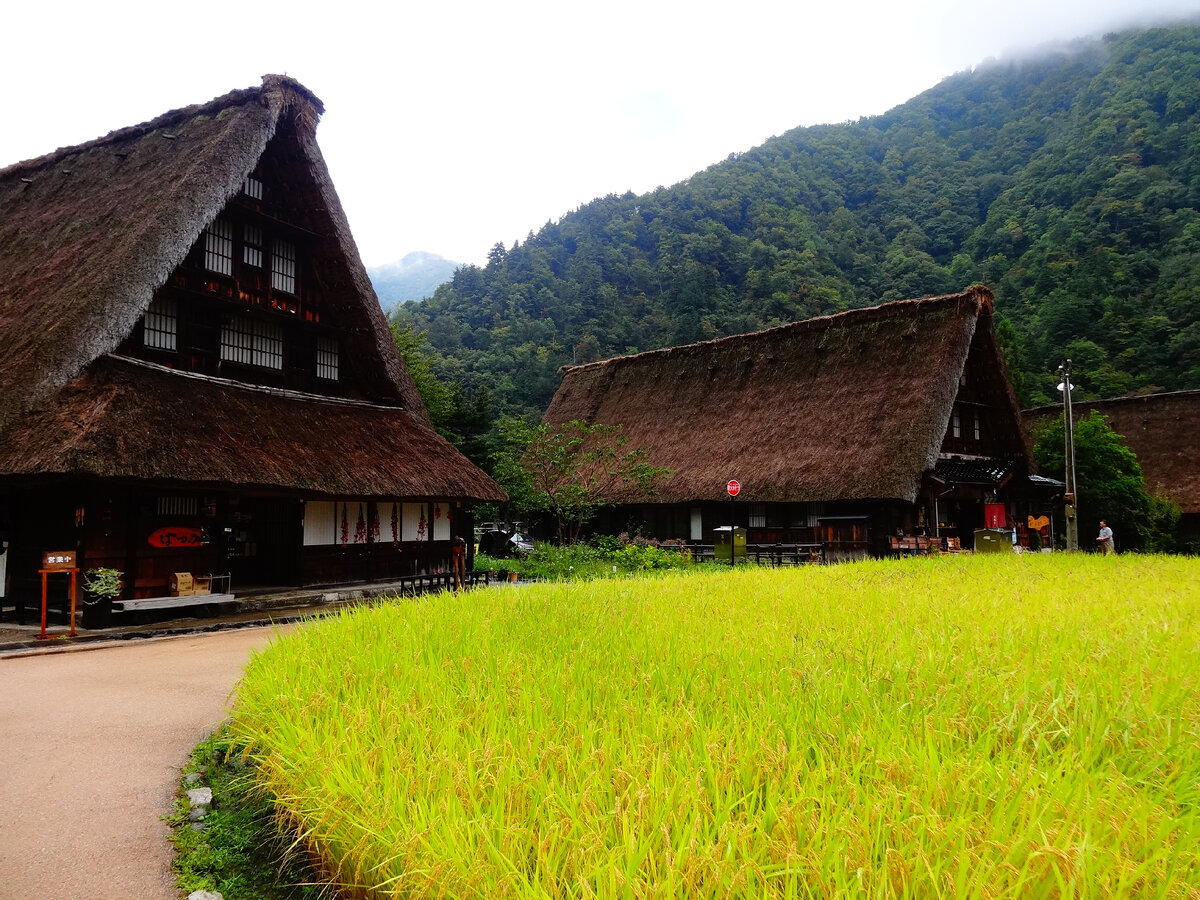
[[851, 406], [1160, 428], [89, 233]]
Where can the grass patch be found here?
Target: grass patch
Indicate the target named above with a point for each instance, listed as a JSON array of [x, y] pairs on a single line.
[[954, 727], [241, 852]]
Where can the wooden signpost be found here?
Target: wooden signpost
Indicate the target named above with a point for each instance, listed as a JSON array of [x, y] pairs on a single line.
[[54, 562]]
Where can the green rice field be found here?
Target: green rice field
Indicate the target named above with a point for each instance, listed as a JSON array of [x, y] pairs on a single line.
[[1024, 726]]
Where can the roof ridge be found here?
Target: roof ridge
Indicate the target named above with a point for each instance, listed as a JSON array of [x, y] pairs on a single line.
[[1128, 398], [980, 294], [280, 84]]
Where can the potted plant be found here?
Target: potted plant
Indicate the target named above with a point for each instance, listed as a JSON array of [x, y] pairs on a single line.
[[101, 587]]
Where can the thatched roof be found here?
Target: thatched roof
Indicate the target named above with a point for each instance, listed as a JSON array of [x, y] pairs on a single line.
[[134, 420], [852, 406], [89, 233], [1160, 428]]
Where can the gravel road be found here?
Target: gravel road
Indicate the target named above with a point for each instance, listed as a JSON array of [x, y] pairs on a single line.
[[90, 749]]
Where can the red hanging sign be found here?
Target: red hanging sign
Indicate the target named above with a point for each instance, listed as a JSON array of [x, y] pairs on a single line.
[[993, 514], [177, 536], [734, 487]]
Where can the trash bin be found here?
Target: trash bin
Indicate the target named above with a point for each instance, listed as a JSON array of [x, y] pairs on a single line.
[[726, 539], [988, 540]]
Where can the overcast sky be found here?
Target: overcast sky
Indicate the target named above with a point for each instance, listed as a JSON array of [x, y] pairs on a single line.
[[452, 125]]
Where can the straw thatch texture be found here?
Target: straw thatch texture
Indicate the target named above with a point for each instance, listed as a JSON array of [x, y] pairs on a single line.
[[129, 419], [845, 407], [89, 233], [1160, 428]]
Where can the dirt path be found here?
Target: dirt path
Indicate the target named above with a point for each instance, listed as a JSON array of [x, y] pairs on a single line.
[[90, 749]]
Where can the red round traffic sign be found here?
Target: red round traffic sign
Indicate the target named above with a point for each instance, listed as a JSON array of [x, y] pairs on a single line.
[[733, 487]]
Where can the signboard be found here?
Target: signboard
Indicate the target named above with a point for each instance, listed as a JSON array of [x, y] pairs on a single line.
[[734, 487], [58, 561], [177, 536]]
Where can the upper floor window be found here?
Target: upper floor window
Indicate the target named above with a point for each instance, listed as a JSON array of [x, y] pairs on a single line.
[[252, 245], [253, 343], [253, 188], [977, 430], [956, 423], [218, 247], [283, 266], [247, 250], [160, 324], [327, 358]]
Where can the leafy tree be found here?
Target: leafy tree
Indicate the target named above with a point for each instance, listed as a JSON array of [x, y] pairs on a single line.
[[435, 395], [569, 471], [1110, 484]]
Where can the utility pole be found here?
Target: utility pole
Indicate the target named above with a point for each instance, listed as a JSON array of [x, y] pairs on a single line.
[[1070, 510]]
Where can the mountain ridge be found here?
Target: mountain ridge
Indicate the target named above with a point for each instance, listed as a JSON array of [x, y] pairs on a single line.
[[1069, 182], [413, 277]]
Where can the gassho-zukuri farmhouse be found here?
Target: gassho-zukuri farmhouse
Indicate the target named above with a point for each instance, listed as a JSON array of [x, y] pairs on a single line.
[[197, 376], [843, 432]]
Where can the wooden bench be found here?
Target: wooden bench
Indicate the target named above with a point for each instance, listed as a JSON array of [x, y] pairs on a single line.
[[171, 602]]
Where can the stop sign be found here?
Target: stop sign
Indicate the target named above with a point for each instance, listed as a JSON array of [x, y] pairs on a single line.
[[733, 487]]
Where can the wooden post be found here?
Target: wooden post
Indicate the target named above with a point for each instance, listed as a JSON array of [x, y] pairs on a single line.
[[44, 573]]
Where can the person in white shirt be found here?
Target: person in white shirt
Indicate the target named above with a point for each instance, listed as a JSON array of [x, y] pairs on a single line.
[[1106, 539]]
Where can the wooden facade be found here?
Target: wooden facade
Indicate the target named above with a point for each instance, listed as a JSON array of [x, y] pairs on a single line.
[[227, 400]]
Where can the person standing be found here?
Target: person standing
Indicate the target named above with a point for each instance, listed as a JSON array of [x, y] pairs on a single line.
[[1105, 539]]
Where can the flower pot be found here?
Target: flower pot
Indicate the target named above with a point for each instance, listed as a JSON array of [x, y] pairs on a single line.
[[97, 612], [512, 576]]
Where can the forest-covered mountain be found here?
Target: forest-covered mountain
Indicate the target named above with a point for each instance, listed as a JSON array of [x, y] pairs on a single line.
[[1069, 182]]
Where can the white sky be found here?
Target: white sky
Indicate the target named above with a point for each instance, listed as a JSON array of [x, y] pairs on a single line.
[[453, 124]]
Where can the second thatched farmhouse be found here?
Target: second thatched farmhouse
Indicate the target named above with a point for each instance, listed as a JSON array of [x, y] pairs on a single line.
[[1161, 430], [197, 376], [843, 431]]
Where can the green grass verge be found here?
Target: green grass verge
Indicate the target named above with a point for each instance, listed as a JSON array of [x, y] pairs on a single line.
[[241, 852], [954, 727]]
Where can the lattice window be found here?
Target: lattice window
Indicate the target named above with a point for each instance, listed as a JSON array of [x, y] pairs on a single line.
[[160, 324], [283, 266], [218, 247], [758, 515], [252, 246], [977, 431], [956, 423], [327, 358], [253, 188], [252, 343], [167, 505]]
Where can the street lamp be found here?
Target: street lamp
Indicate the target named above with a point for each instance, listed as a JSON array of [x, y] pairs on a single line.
[[1070, 510]]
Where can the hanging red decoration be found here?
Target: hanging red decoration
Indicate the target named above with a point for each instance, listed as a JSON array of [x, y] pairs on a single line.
[[345, 527], [360, 527], [437, 511], [395, 525], [421, 526]]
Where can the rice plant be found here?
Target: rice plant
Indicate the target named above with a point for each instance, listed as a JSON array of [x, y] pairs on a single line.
[[954, 727]]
